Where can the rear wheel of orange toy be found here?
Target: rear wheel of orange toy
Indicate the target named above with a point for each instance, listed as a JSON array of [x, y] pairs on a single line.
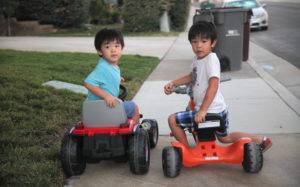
[[171, 161], [253, 157]]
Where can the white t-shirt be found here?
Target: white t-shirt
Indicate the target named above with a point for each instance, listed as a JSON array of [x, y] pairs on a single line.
[[203, 70]]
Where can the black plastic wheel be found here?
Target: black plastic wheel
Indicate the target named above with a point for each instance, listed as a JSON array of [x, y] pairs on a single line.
[[153, 132], [72, 160], [224, 64], [171, 161], [139, 152], [253, 158]]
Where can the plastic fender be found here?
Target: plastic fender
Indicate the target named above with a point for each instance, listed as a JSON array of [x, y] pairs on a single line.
[[90, 131], [210, 152]]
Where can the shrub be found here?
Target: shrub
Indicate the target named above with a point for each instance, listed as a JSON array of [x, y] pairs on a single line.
[[98, 11], [62, 13], [178, 13], [141, 15], [71, 13]]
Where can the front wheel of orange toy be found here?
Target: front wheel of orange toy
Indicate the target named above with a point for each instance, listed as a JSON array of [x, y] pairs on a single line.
[[171, 161], [253, 157]]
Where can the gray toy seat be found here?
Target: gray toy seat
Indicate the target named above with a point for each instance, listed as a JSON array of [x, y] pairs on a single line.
[[97, 114]]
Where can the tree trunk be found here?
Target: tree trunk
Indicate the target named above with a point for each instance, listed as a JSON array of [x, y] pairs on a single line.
[[8, 26]]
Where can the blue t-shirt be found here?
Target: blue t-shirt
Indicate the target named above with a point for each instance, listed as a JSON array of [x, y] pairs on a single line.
[[105, 76]]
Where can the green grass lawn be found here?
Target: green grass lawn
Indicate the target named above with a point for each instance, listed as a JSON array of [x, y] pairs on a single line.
[[33, 117], [91, 30]]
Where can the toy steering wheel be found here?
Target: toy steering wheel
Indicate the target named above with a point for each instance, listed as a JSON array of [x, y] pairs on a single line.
[[123, 93]]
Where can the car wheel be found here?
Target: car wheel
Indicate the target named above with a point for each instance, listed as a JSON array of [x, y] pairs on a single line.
[[153, 132], [72, 160], [171, 161], [139, 152], [253, 157]]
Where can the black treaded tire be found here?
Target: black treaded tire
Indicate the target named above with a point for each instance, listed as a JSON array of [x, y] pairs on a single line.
[[139, 152], [72, 160], [171, 161], [153, 132], [253, 157]]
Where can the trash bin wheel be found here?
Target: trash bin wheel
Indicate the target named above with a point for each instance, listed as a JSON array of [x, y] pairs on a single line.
[[139, 152], [153, 132], [72, 160], [171, 161], [225, 64], [253, 157]]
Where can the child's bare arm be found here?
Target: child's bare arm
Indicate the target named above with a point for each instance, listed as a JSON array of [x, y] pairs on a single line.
[[209, 97], [109, 99], [183, 80]]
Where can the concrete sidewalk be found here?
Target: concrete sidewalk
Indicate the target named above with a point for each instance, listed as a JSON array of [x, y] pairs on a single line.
[[258, 103], [145, 46]]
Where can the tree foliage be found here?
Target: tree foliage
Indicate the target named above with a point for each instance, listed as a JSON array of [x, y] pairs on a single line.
[[70, 13], [7, 8], [98, 11], [141, 15]]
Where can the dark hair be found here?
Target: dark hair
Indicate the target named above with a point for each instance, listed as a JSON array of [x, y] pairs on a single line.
[[204, 29], [108, 35]]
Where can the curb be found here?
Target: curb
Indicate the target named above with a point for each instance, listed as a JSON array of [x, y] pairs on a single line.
[[291, 100]]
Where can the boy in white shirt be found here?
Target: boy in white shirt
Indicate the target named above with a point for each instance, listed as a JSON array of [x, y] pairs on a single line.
[[205, 79]]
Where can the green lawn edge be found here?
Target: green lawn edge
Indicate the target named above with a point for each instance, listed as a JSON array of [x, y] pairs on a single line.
[[33, 118]]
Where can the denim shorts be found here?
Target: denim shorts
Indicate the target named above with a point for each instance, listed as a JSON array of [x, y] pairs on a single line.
[[186, 120], [129, 108]]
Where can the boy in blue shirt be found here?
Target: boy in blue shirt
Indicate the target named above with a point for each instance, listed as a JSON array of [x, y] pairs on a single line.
[[104, 81], [205, 76]]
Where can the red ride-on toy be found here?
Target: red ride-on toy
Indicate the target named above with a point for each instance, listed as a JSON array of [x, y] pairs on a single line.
[[106, 133], [208, 151]]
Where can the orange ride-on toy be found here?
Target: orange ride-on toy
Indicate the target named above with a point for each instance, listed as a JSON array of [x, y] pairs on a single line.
[[208, 151]]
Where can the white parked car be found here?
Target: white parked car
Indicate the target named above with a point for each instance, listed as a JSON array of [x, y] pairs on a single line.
[[260, 17]]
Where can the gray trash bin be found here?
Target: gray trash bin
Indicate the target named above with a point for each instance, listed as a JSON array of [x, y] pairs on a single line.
[[230, 30]]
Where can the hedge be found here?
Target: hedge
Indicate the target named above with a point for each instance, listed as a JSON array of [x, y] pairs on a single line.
[[141, 15], [179, 13], [61, 13], [144, 15]]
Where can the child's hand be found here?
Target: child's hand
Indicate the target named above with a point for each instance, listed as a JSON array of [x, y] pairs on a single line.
[[122, 80], [168, 88], [200, 116], [111, 101]]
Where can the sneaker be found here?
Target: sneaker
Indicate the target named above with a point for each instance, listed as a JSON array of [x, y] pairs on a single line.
[[265, 144], [146, 125]]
